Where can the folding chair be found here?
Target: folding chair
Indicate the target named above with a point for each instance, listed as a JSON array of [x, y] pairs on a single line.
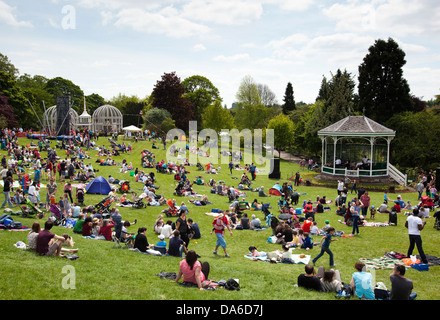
[[117, 242]]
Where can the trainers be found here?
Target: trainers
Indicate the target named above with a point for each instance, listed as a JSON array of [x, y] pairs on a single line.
[[227, 255], [215, 252]]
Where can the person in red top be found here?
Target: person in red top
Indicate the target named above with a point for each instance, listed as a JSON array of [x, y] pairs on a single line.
[[193, 272], [307, 225], [87, 227], [308, 210], [219, 225], [106, 229]]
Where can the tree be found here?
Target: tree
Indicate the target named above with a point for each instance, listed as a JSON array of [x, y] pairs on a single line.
[[383, 91], [34, 89], [7, 116], [7, 66], [17, 100], [289, 100], [248, 92], [250, 112], [202, 93], [339, 97], [283, 129], [62, 87], [154, 118], [168, 94], [93, 102], [216, 117], [267, 96], [414, 144]]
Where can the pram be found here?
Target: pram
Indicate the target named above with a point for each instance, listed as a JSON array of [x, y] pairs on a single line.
[[138, 202], [427, 201], [199, 167], [124, 186], [80, 196], [172, 210], [30, 210], [57, 216], [105, 205]]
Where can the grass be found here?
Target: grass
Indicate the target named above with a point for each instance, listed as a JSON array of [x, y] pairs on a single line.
[[104, 272]]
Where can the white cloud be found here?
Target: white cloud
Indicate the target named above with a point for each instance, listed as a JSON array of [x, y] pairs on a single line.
[[292, 5], [225, 12], [387, 17], [233, 58], [7, 16], [167, 22], [199, 47]]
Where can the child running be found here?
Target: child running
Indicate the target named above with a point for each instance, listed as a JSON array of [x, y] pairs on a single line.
[[325, 246]]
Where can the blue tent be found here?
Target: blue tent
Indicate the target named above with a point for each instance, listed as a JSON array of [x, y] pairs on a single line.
[[98, 185]]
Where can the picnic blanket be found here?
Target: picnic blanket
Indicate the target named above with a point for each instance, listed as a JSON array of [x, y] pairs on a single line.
[[381, 262], [296, 258]]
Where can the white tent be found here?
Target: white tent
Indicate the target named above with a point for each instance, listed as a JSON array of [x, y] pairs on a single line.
[[131, 128]]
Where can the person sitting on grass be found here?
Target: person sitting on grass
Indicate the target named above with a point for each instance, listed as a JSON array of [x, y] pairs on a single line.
[[176, 246], [361, 282], [309, 279], [48, 243], [194, 273]]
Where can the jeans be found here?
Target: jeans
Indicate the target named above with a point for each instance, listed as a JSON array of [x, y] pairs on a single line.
[[7, 200], [325, 249], [416, 240], [355, 224]]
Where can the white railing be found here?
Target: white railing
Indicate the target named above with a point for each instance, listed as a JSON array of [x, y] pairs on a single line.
[[398, 176], [355, 173]]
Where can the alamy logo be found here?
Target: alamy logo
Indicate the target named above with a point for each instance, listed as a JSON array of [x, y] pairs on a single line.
[[187, 148]]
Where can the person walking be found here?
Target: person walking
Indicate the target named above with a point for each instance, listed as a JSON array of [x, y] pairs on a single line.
[[325, 246], [6, 190], [355, 214], [220, 223], [414, 224]]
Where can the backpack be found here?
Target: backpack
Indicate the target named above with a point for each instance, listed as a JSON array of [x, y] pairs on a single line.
[[232, 284]]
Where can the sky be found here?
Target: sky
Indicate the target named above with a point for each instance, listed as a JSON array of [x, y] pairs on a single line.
[[113, 47]]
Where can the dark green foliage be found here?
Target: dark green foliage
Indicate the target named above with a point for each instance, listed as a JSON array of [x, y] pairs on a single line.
[[417, 139], [383, 91], [289, 100]]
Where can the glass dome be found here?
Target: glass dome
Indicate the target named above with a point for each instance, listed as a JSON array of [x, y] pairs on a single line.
[[50, 119], [107, 118]]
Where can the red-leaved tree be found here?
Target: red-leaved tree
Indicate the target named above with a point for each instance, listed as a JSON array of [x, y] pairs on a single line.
[[7, 113], [168, 94]]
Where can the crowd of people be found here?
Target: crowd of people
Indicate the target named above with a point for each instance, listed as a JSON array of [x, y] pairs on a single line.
[[174, 238]]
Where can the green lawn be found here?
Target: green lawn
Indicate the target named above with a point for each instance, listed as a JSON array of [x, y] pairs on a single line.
[[104, 272]]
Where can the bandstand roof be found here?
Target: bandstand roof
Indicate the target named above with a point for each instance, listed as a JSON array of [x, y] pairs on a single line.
[[354, 126]]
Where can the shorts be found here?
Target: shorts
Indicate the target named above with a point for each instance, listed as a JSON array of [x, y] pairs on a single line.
[[220, 240], [52, 249]]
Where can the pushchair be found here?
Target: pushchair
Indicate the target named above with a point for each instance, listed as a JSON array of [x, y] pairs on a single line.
[[30, 210], [80, 196], [199, 167], [427, 201], [172, 210], [104, 205], [137, 202], [57, 216]]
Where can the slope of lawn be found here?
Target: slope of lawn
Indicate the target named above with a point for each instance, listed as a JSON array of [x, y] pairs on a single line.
[[105, 272]]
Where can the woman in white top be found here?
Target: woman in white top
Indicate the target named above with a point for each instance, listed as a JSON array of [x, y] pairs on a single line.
[[32, 236], [330, 280]]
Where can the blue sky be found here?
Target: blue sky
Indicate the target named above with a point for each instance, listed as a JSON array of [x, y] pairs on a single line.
[[114, 46]]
